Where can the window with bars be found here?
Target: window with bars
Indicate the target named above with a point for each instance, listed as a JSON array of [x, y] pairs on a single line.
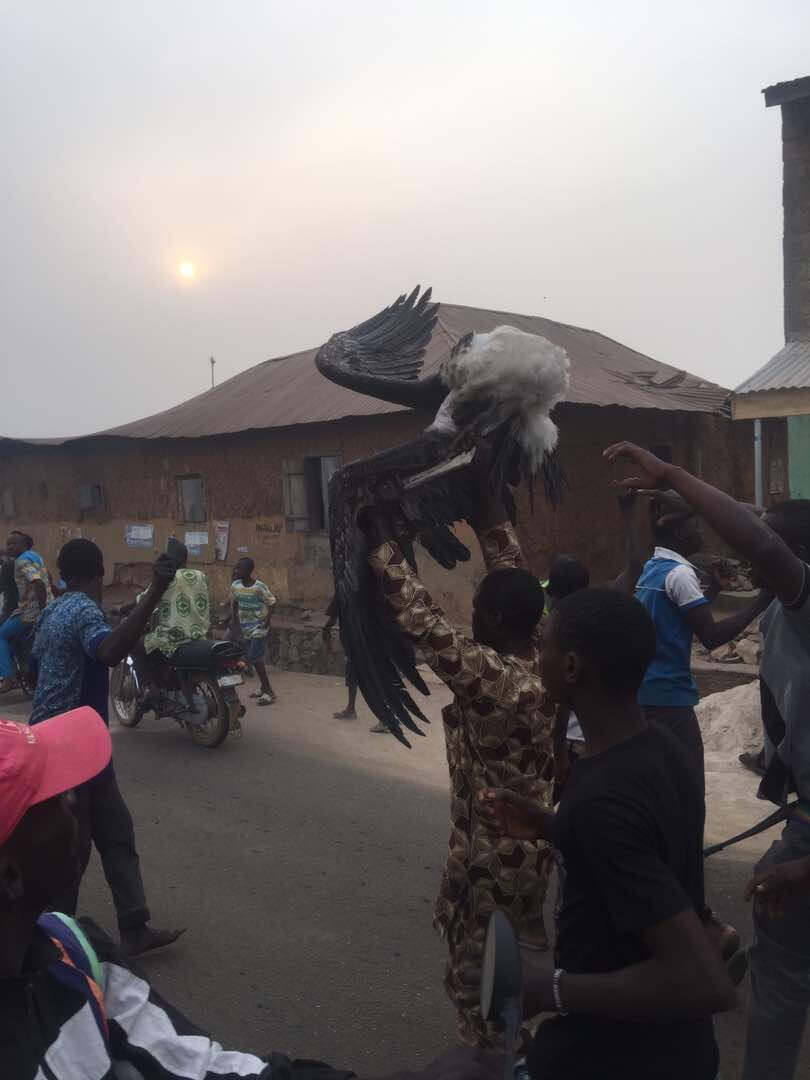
[[306, 492]]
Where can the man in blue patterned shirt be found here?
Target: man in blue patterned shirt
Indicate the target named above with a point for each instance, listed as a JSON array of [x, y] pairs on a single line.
[[73, 651]]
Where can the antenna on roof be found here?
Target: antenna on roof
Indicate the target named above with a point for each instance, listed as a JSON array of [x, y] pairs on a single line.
[[212, 361]]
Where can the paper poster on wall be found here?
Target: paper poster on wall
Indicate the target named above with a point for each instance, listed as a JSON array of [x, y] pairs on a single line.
[[140, 535], [195, 542], [222, 532]]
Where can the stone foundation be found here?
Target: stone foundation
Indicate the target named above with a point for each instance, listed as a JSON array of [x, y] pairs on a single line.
[[297, 647]]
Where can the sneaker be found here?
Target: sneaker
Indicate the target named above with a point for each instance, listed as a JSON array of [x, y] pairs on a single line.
[[345, 714], [380, 729], [266, 699]]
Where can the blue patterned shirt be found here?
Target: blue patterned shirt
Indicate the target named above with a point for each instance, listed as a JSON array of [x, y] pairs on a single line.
[[69, 633]]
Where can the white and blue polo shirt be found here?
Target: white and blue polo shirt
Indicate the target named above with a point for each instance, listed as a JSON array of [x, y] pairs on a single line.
[[668, 587]]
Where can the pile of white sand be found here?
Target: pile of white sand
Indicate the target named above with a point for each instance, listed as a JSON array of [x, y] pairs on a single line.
[[730, 722]]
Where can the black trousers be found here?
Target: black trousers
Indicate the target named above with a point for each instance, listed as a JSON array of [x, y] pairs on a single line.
[[105, 821], [683, 723]]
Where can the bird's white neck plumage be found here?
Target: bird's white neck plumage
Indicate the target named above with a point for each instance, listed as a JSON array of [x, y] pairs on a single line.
[[507, 375]]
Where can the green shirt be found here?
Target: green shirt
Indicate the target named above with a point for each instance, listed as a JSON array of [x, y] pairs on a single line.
[[183, 613]]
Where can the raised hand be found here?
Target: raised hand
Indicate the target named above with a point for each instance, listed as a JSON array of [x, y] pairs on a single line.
[[163, 572], [626, 497], [651, 472]]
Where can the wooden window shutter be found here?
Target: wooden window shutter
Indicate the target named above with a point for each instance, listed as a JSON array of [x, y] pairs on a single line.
[[296, 509]]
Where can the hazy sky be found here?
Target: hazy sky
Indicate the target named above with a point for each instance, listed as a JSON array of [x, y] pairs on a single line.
[[609, 165]]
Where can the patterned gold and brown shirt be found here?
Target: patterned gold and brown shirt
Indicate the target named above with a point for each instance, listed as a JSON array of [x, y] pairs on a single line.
[[497, 735]]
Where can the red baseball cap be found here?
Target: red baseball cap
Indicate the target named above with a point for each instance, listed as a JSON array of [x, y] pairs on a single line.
[[54, 756]]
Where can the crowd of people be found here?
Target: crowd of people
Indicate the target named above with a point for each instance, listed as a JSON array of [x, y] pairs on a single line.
[[572, 743]]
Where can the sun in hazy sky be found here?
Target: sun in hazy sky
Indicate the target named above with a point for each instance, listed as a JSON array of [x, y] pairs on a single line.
[[187, 270]]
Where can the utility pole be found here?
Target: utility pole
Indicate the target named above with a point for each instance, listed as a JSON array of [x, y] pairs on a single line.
[[212, 361]]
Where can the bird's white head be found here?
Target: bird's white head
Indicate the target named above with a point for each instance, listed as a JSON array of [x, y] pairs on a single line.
[[509, 374]]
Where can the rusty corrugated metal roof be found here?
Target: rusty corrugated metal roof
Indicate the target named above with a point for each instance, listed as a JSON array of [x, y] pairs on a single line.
[[788, 370], [289, 390]]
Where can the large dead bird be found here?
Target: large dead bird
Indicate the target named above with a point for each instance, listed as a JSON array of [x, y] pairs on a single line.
[[501, 386]]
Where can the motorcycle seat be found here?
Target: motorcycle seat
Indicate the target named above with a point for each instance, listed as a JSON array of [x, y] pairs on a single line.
[[203, 654]]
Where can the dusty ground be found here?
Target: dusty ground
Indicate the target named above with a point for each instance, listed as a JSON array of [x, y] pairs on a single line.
[[304, 860]]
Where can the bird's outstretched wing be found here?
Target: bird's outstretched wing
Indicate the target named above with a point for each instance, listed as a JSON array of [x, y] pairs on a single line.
[[383, 356], [382, 657]]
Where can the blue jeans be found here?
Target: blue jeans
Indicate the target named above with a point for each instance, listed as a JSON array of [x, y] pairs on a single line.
[[11, 628]]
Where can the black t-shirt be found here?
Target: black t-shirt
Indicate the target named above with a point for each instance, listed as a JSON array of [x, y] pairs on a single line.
[[628, 838]]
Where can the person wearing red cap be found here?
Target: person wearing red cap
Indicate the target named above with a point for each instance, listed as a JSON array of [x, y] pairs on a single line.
[[73, 651], [73, 1007]]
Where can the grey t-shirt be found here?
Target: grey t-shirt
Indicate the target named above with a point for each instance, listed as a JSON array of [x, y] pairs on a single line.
[[785, 688]]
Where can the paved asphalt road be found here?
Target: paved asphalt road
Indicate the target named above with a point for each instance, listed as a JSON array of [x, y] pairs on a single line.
[[304, 860]]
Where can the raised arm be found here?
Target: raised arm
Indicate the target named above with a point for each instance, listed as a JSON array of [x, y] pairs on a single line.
[[734, 522], [119, 641], [472, 671]]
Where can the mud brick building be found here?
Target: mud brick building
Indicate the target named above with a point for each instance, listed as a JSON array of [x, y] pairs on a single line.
[[244, 467]]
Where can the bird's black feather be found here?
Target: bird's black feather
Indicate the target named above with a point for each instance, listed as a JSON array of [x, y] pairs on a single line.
[[383, 357]]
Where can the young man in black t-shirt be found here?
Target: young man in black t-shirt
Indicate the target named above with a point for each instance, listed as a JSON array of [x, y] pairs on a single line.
[[636, 979]]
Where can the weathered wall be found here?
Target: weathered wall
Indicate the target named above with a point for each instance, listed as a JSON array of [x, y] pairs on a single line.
[[796, 202], [588, 524], [243, 486], [799, 443]]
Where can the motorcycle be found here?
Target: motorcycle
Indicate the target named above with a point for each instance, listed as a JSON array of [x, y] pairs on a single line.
[[197, 689]]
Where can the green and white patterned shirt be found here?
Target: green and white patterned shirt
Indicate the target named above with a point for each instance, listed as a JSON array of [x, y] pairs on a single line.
[[183, 614], [254, 602]]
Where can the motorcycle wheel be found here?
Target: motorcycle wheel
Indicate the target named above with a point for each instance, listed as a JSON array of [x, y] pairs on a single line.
[[212, 731], [124, 697]]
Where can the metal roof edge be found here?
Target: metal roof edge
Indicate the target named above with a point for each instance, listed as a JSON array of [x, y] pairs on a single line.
[[783, 92]]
